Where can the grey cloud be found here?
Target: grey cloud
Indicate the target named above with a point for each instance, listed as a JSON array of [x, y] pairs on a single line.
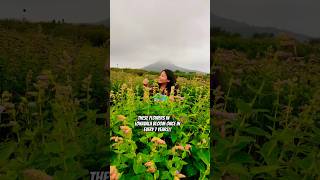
[[77, 11], [294, 15], [145, 31]]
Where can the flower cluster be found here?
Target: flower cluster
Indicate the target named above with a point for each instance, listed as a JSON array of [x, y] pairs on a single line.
[[126, 130], [151, 167], [116, 139], [179, 147], [121, 117], [114, 175], [178, 176], [158, 140]]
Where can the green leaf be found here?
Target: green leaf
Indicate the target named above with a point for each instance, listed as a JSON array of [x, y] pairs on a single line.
[[176, 159], [199, 165], [144, 139], [6, 149], [264, 169], [156, 174], [285, 135], [129, 155], [142, 157], [306, 162], [241, 157], [55, 161], [236, 168], [169, 164], [184, 154], [190, 170], [130, 176], [63, 175], [270, 117], [270, 152], [242, 142], [147, 176], [138, 167], [204, 155], [122, 166], [165, 175], [71, 150], [290, 174], [52, 147], [256, 131], [261, 110], [159, 158], [243, 106], [174, 137]]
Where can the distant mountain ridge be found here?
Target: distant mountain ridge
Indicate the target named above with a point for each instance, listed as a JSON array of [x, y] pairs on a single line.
[[164, 64], [247, 30], [105, 22]]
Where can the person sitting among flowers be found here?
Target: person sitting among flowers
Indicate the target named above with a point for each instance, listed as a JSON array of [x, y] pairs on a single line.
[[167, 86]]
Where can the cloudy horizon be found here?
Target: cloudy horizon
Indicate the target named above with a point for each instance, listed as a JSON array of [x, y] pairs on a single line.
[[293, 15], [176, 31]]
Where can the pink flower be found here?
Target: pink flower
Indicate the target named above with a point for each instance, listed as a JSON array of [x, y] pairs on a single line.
[[116, 138], [188, 146], [114, 175], [178, 176], [151, 170], [126, 130], [158, 140], [148, 164], [121, 117]]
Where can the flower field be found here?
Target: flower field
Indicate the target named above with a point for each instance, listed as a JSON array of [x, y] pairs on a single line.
[[181, 153], [52, 116], [266, 108]]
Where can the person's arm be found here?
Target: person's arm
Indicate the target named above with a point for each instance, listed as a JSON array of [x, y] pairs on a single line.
[[173, 92], [150, 87], [145, 82]]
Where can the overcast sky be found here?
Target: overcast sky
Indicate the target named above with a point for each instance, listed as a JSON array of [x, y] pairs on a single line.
[[302, 16], [145, 31], [76, 11]]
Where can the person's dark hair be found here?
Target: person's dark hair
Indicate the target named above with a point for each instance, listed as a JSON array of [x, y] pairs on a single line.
[[172, 78]]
